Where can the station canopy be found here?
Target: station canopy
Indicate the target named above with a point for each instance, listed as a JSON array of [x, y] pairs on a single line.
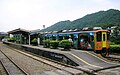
[[19, 30]]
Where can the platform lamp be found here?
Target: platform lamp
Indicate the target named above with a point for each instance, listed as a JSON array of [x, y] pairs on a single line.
[[43, 26], [43, 32], [43, 29]]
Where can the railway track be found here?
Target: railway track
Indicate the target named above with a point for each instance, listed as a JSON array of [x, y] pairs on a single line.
[[10, 66], [114, 58], [56, 66], [44, 67]]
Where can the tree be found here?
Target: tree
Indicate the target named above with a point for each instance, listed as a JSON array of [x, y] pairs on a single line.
[[116, 31], [116, 36]]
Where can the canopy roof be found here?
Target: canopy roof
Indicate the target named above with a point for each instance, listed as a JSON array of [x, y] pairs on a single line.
[[19, 30]]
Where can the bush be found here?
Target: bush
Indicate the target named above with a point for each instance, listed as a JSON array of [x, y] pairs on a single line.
[[115, 48], [12, 39], [66, 44], [34, 41], [112, 43], [46, 43], [54, 43]]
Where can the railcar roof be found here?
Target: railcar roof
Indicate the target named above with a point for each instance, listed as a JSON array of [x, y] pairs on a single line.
[[83, 32], [78, 32]]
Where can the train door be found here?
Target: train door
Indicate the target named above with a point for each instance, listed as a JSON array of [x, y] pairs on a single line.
[[84, 39], [91, 41], [75, 41], [98, 41], [104, 51], [104, 39]]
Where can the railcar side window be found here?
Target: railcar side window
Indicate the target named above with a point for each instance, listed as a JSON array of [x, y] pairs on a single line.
[[53, 37], [46, 37], [66, 37], [91, 38], [99, 36], [60, 37]]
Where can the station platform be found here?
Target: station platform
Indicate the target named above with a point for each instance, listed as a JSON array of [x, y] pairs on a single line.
[[85, 60]]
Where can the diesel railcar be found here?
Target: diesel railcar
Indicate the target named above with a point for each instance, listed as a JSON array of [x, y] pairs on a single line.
[[96, 40]]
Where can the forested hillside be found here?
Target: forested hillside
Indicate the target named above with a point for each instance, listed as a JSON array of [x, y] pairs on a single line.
[[59, 26], [102, 18]]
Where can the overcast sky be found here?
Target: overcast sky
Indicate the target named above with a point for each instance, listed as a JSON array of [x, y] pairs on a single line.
[[33, 14]]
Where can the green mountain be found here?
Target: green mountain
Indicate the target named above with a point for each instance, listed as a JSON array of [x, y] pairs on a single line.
[[59, 26], [103, 19]]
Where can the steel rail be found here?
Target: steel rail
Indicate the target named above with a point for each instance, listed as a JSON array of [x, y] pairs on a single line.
[[24, 72]]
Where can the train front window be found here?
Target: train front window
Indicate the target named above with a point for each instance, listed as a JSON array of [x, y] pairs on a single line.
[[99, 36], [103, 37]]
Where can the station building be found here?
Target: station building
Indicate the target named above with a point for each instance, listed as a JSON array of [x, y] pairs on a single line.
[[21, 35]]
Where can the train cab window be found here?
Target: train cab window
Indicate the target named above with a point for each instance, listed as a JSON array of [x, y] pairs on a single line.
[[103, 37], [108, 35], [99, 36]]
